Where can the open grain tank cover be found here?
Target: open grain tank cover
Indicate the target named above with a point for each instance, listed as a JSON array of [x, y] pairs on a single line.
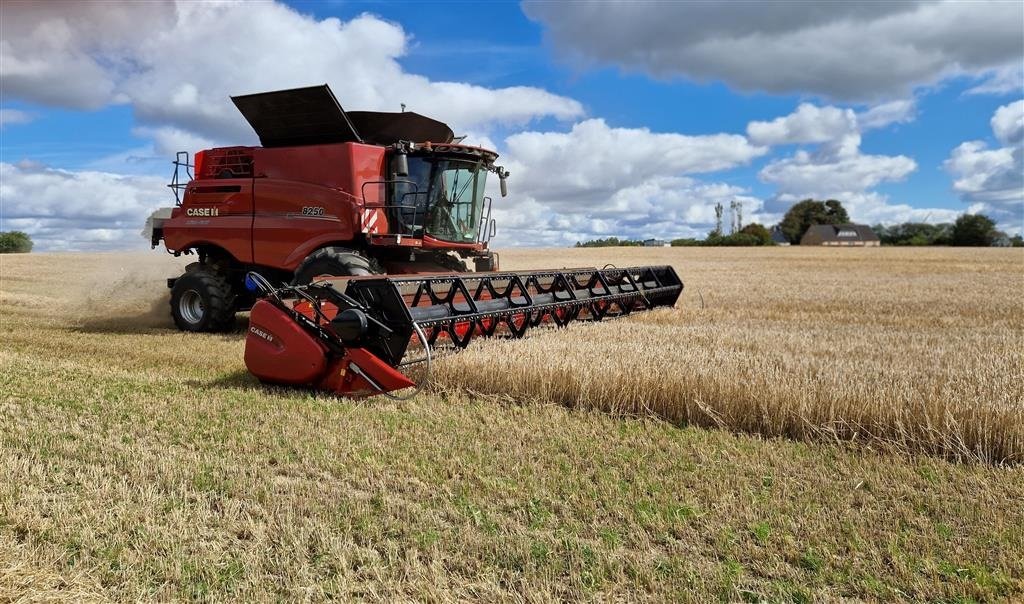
[[313, 116], [380, 128], [300, 116]]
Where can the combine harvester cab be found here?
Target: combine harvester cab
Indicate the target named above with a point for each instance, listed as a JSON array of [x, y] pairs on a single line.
[[358, 337]]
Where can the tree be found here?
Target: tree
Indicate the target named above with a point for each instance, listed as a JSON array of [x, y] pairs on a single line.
[[15, 242], [973, 230], [1017, 241], [609, 242], [914, 233], [760, 232], [807, 213]]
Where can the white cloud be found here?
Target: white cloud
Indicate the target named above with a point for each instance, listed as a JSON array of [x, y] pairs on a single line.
[[599, 181], [863, 51], [666, 207], [63, 209], [1004, 80], [836, 168], [1008, 123], [171, 64], [14, 116], [168, 140], [885, 114], [808, 124], [593, 160], [837, 164], [814, 176], [992, 180]]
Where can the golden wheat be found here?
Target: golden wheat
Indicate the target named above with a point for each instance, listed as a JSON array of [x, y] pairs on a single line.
[[919, 348], [140, 463]]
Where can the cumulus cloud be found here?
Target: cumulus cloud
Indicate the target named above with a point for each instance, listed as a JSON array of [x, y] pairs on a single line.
[[594, 158], [810, 174], [69, 210], [159, 58], [855, 51], [1008, 123], [599, 181], [992, 180], [808, 124]]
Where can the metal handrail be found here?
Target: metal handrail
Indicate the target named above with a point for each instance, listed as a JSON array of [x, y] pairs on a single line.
[[176, 185]]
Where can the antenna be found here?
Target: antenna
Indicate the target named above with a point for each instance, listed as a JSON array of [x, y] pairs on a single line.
[[403, 107]]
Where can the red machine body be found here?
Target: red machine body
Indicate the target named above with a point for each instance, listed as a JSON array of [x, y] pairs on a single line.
[[279, 205], [328, 192], [279, 350]]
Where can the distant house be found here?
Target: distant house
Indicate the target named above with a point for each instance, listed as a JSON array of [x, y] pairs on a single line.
[[778, 236], [656, 243], [859, 235]]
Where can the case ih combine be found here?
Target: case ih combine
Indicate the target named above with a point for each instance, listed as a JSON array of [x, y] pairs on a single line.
[[334, 194]]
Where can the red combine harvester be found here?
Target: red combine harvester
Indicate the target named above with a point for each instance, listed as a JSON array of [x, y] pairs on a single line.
[[330, 200], [330, 192]]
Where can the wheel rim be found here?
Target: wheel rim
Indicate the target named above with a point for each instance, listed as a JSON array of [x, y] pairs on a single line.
[[190, 306]]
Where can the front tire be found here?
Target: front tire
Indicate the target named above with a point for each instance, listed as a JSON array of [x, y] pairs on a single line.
[[202, 301], [333, 261]]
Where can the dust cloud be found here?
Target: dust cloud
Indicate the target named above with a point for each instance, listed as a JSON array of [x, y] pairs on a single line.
[[122, 292]]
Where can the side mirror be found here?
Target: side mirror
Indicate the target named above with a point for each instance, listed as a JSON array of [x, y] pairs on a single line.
[[502, 175], [400, 163]]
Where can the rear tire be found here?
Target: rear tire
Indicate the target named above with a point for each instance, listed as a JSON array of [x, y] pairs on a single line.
[[336, 262], [202, 301]]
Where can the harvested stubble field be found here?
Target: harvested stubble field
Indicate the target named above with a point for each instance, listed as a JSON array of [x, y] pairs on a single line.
[[867, 437]]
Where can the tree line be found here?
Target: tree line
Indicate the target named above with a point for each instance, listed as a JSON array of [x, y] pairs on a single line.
[[967, 230]]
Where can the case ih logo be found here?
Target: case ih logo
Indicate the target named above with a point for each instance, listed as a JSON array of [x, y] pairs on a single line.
[[256, 330], [202, 211]]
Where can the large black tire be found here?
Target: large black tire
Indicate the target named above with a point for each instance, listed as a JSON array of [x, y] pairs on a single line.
[[202, 300], [334, 261]]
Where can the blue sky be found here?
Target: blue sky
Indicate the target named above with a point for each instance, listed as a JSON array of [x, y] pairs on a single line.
[[625, 119]]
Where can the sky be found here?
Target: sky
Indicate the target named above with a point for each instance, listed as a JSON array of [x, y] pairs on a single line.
[[626, 119]]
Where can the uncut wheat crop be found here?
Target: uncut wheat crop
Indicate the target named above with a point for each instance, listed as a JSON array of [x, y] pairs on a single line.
[[918, 349]]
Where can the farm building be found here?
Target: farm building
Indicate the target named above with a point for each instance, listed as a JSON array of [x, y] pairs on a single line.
[[656, 243], [840, 234], [778, 237]]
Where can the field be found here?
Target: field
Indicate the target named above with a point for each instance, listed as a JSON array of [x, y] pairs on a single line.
[[807, 424]]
